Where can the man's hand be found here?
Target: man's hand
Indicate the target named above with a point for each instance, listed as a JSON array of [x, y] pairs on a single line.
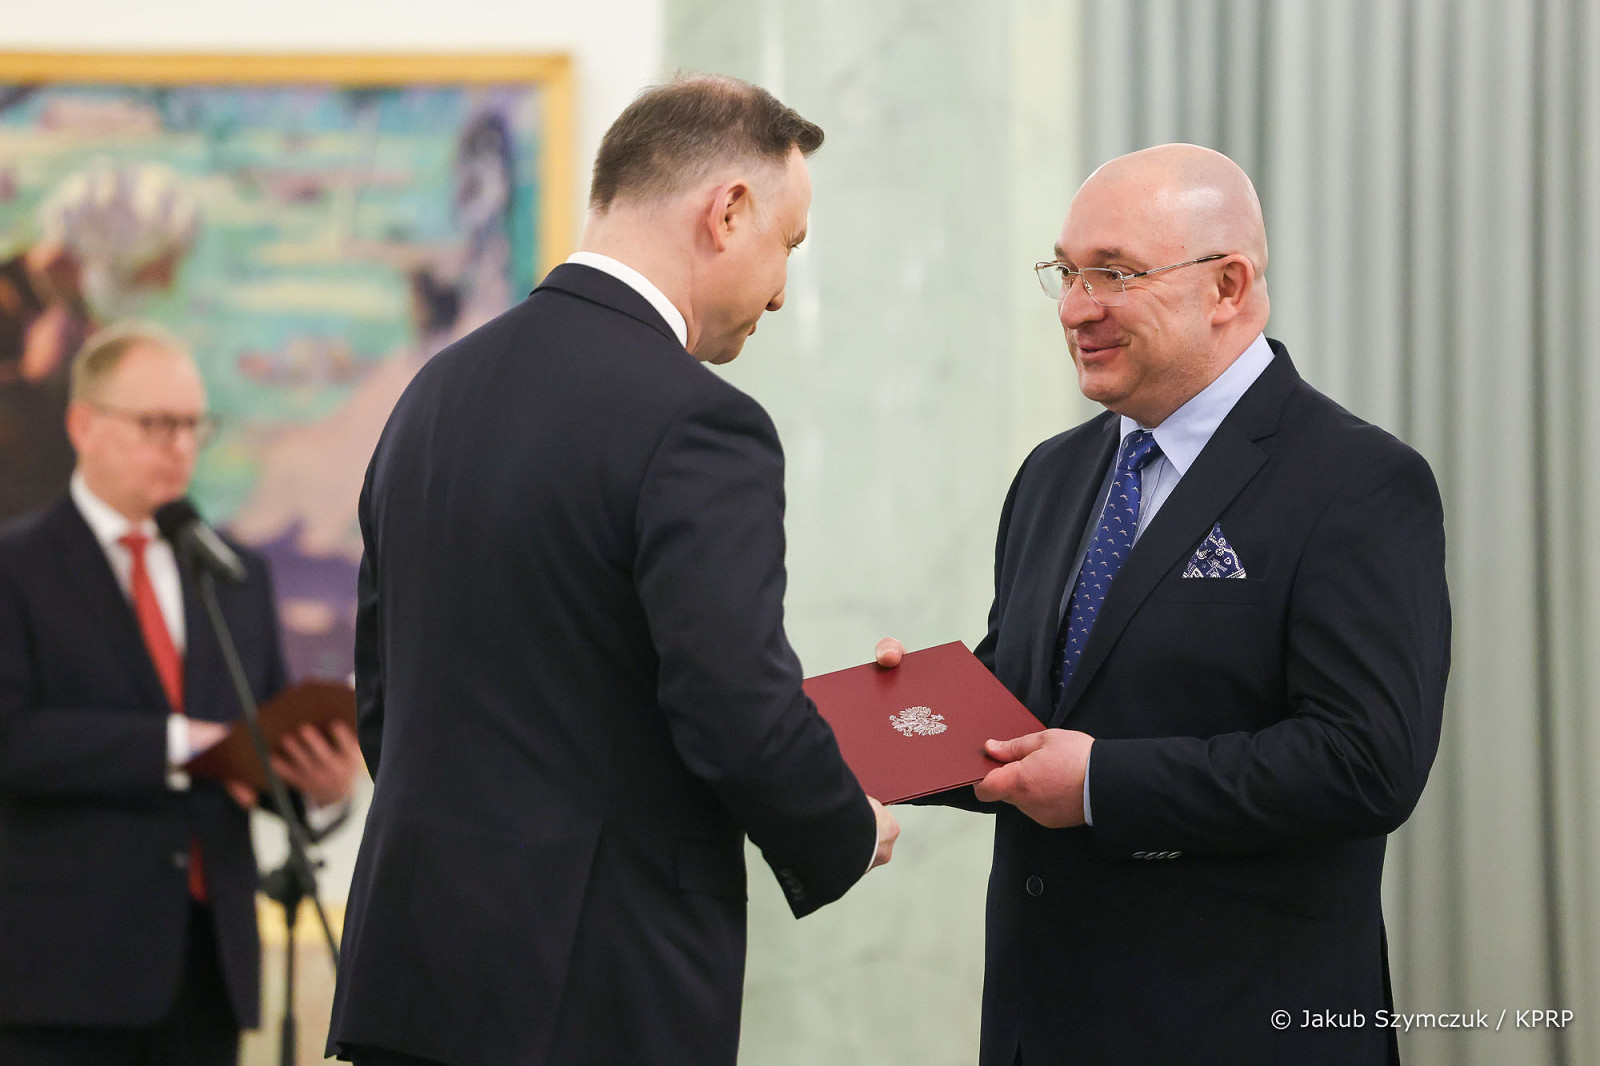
[[243, 794], [888, 833], [1043, 775], [322, 766], [889, 652], [205, 735]]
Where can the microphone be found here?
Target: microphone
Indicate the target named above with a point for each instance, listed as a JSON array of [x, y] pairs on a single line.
[[181, 526]]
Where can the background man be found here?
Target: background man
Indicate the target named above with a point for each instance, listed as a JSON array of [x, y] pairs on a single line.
[[1226, 596], [576, 696], [127, 890]]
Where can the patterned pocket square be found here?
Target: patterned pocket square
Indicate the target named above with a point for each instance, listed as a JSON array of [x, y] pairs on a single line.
[[1215, 557]]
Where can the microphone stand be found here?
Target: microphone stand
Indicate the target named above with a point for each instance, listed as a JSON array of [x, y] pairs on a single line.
[[297, 878]]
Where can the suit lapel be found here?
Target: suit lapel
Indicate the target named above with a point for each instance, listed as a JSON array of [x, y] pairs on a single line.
[[1227, 463], [86, 569]]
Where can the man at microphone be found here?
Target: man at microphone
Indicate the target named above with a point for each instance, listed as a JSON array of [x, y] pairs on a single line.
[[127, 889]]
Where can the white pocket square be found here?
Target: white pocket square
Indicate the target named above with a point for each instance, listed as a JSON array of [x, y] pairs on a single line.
[[1214, 558]]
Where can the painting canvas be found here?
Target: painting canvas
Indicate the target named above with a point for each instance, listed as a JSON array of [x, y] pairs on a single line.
[[315, 228]]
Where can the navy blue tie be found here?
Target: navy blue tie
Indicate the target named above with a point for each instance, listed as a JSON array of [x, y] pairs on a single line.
[[1108, 549]]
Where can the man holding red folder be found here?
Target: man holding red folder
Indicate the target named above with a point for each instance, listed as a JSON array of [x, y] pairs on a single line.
[[575, 692], [1225, 599]]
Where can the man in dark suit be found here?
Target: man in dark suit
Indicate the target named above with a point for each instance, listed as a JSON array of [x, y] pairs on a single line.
[[575, 693], [1226, 598], [127, 890]]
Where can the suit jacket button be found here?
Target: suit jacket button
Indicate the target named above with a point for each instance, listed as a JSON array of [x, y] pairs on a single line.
[[1034, 885], [180, 860]]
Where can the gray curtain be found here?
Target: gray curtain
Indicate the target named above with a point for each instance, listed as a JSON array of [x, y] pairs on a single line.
[[1430, 172]]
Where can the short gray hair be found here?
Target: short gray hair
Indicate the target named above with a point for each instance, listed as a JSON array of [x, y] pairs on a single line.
[[675, 134], [102, 353]]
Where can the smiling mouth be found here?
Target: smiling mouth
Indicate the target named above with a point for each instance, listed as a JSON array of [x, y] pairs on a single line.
[[1091, 351]]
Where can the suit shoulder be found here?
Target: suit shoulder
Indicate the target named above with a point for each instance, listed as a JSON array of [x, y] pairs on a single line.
[[1345, 448], [1068, 446], [24, 535], [561, 340], [20, 532]]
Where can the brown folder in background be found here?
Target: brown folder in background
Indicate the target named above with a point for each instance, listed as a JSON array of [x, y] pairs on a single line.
[[319, 703], [919, 728]]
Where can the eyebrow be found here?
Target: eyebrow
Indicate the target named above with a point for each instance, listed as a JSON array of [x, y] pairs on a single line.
[[1100, 254]]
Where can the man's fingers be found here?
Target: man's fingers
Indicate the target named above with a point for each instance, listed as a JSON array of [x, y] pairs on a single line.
[[314, 744], [1016, 748], [204, 735], [1000, 784], [292, 748], [889, 652], [888, 833], [342, 736], [242, 794], [289, 771]]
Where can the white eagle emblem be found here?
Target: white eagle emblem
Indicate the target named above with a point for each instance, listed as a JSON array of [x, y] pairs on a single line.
[[918, 722]]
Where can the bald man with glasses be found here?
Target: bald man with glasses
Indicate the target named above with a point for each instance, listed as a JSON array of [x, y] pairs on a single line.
[[127, 890], [1224, 598]]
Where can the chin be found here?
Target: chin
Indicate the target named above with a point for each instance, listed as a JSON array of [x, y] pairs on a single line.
[[723, 355], [1097, 388]]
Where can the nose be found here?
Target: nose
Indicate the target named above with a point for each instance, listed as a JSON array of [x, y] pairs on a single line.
[[185, 440], [776, 302], [1075, 307]]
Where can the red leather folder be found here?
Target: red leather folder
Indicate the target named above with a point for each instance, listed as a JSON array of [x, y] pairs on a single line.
[[919, 728], [318, 703]]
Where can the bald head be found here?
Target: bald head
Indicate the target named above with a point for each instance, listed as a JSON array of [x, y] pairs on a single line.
[[1183, 225], [1194, 194]]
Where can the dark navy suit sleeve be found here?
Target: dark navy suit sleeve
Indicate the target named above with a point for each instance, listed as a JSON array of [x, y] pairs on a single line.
[[710, 575], [1367, 648]]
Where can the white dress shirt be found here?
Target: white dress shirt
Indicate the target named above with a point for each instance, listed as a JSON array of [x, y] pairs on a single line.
[[109, 527], [639, 284]]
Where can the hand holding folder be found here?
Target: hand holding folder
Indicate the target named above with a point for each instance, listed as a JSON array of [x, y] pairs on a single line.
[[315, 703], [920, 727]]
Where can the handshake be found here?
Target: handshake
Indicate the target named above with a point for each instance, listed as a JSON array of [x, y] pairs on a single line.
[[1042, 773]]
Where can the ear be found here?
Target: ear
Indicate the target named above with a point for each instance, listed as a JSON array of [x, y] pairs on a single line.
[[1234, 286], [78, 418], [730, 208]]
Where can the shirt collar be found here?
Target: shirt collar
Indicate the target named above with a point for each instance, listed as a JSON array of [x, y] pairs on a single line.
[[105, 521], [1188, 429], [639, 284]]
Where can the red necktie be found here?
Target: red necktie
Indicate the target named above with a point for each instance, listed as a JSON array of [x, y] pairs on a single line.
[[168, 664]]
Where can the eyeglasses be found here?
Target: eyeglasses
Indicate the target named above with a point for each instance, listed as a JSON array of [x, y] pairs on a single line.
[[161, 428], [1105, 286]]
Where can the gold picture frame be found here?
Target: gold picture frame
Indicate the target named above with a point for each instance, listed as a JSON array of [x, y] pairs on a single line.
[[551, 73]]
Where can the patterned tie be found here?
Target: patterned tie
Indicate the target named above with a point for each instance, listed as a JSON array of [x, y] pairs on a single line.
[[168, 664], [1108, 549]]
